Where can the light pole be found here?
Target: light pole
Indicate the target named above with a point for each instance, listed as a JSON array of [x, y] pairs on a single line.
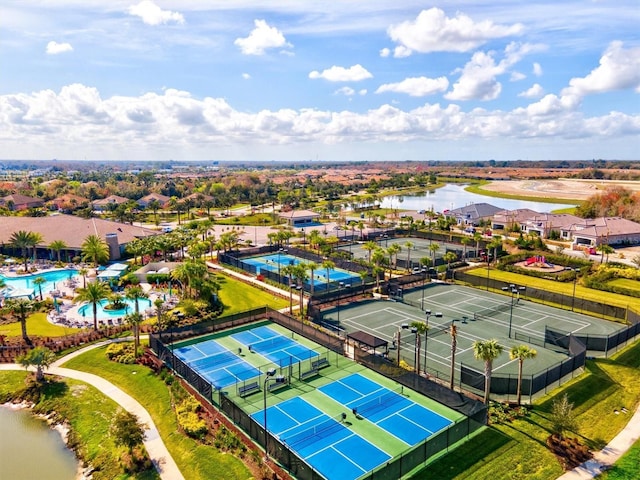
[[270, 376], [341, 286], [515, 293], [424, 281], [280, 252], [416, 352], [426, 337], [575, 280], [304, 238]]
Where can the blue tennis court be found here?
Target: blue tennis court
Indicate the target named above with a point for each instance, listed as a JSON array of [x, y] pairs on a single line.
[[276, 347], [274, 262], [410, 422], [325, 443], [216, 364]]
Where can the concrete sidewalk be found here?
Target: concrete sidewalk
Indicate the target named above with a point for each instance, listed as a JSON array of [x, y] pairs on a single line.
[[606, 457], [160, 456]]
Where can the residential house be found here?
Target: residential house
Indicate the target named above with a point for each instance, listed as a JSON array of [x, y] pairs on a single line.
[[300, 218], [542, 224], [108, 203], [603, 230], [509, 219], [472, 215], [144, 202], [17, 202]]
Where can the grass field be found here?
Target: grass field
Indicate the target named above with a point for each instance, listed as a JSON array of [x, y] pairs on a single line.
[[239, 296], [37, 324], [566, 288]]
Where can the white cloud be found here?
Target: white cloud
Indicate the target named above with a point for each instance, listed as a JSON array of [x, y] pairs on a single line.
[[347, 91], [355, 73], [151, 14], [416, 86], [54, 48], [537, 69], [433, 31], [517, 76], [619, 69], [78, 119], [478, 80], [261, 38], [362, 92], [536, 91], [385, 52]]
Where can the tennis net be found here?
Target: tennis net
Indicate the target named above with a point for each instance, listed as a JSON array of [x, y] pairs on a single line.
[[486, 312], [271, 343], [381, 402], [318, 431]]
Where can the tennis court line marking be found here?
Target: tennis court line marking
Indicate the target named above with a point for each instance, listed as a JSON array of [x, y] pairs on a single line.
[[399, 414], [299, 424], [332, 447]]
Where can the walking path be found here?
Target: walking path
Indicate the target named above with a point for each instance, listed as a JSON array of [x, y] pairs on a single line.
[[606, 457], [160, 456]]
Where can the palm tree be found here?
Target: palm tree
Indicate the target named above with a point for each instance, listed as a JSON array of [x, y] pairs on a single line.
[[477, 236], [370, 246], [453, 331], [487, 351], [83, 271], [93, 293], [521, 353], [393, 252], [409, 246], [421, 327], [449, 257], [95, 249], [288, 271], [300, 274], [464, 241], [24, 240], [39, 357], [496, 243], [38, 281], [604, 249], [433, 248], [57, 246], [328, 265], [154, 206], [158, 303], [20, 307], [135, 293]]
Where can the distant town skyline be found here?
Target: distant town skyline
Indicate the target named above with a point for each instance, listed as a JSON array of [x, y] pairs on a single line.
[[308, 80]]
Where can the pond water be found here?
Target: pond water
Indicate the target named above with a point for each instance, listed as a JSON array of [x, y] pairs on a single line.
[[454, 196], [30, 449]]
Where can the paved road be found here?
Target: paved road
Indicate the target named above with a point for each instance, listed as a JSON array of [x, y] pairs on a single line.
[[160, 456]]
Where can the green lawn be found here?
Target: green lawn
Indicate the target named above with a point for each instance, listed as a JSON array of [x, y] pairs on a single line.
[[195, 461], [239, 296], [477, 188], [625, 283], [517, 450], [566, 288], [37, 324], [626, 468]]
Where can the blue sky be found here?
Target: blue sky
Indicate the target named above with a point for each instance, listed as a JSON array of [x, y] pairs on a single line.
[[307, 80]]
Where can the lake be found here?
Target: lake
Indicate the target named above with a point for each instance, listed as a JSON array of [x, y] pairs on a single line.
[[30, 449], [454, 196]]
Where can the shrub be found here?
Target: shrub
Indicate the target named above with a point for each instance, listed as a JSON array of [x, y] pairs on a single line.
[[188, 419], [121, 353]]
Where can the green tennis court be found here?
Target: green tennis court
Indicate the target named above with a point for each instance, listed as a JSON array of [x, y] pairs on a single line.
[[477, 315]]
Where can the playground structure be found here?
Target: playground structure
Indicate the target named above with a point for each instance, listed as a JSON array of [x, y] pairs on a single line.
[[539, 262]]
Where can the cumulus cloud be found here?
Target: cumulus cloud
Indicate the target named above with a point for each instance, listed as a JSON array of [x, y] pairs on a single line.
[[479, 77], [619, 69], [261, 38], [77, 118], [54, 48], [355, 73], [536, 91], [151, 14], [517, 76], [385, 52], [433, 31], [246, 76], [416, 86]]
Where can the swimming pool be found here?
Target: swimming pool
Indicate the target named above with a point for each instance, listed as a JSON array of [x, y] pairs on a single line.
[[86, 310], [23, 285], [276, 261]]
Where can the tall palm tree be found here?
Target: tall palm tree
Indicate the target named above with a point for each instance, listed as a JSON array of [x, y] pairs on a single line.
[[433, 248], [300, 274], [20, 307], [453, 331], [57, 246], [521, 353], [83, 272], [95, 249], [24, 241], [393, 252], [328, 265], [421, 328], [496, 242], [477, 236], [93, 293], [159, 304], [464, 241], [449, 257], [39, 281], [370, 246], [409, 245], [288, 271], [487, 351], [135, 293]]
